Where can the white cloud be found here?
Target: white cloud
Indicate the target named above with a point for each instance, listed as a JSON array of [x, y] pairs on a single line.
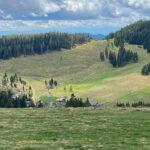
[[48, 6], [24, 7], [19, 25], [96, 8], [5, 16], [81, 13], [33, 14]]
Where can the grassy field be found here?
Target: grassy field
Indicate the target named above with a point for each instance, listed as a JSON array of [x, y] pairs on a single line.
[[82, 69], [42, 129], [48, 98]]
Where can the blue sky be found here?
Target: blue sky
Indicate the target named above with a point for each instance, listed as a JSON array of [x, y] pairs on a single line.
[[87, 16]]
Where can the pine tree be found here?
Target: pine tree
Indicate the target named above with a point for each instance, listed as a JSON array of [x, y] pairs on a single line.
[[12, 79], [55, 83], [121, 59], [5, 75], [46, 84], [106, 52], [148, 65], [51, 83], [16, 77], [112, 59], [102, 57], [145, 70]]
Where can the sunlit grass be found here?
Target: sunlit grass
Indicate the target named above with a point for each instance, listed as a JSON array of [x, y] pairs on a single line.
[[88, 128]]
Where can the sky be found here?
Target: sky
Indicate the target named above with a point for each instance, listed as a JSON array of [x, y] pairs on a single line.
[[73, 16]]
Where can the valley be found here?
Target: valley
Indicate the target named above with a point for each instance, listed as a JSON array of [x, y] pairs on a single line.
[[82, 69]]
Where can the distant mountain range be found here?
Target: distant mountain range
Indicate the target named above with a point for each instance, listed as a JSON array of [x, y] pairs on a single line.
[[96, 36]]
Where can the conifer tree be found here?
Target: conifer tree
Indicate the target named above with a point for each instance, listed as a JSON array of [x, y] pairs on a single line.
[[106, 52], [51, 83], [145, 70], [102, 57], [55, 83], [46, 83]]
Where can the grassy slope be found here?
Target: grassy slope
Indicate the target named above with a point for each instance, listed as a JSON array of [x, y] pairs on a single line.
[[26, 129], [82, 69]]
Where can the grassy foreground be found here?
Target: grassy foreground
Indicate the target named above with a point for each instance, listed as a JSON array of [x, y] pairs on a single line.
[[43, 129]]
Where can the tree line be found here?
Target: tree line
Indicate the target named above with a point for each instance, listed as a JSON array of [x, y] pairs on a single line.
[[137, 33], [122, 58], [30, 44], [136, 104], [51, 83], [8, 101]]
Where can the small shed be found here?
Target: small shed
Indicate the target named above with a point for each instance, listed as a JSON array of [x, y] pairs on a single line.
[[61, 100], [94, 104]]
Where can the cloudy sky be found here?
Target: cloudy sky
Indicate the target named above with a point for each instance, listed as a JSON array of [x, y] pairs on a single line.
[[93, 16]]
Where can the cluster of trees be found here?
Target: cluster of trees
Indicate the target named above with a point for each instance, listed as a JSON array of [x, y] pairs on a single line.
[[14, 78], [136, 104], [51, 83], [8, 101], [146, 69], [137, 33], [16, 45], [13, 81], [123, 57], [77, 102]]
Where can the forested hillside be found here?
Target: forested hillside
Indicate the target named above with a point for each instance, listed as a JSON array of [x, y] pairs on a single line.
[[16, 45], [137, 33]]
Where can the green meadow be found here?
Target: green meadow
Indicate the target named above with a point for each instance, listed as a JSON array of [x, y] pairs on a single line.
[[60, 129], [82, 69]]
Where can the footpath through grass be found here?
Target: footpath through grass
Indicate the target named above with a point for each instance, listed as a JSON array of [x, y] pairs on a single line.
[[43, 129]]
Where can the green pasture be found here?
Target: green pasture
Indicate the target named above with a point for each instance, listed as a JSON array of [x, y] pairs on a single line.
[[75, 129], [82, 69]]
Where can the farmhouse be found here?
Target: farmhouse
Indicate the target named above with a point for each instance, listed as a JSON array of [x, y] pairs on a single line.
[[94, 104], [62, 100]]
